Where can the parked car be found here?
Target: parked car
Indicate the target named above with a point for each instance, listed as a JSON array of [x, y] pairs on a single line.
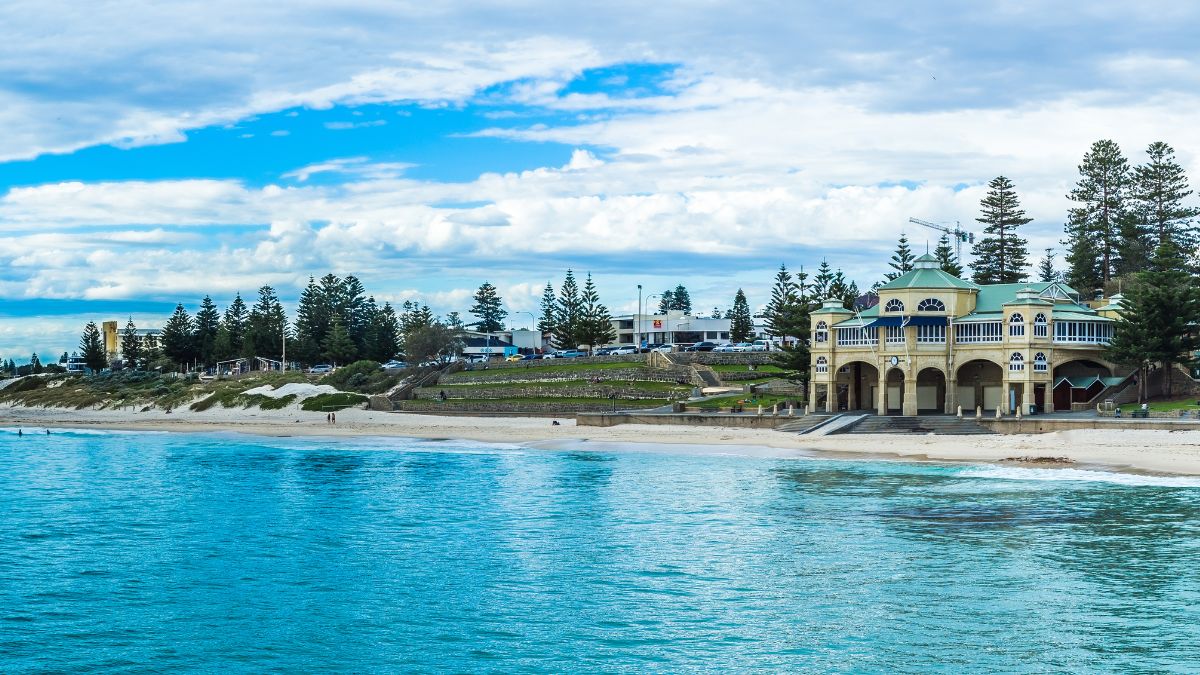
[[603, 351], [728, 347], [394, 365], [550, 355], [570, 354], [762, 346], [514, 358], [531, 357], [655, 347], [322, 369], [743, 347], [621, 351], [682, 346], [702, 347]]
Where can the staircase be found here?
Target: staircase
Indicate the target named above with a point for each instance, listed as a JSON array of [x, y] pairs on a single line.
[[931, 424], [707, 375], [802, 425]]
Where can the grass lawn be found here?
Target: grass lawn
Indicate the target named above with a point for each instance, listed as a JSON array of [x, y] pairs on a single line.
[[453, 388], [1164, 406], [749, 401]]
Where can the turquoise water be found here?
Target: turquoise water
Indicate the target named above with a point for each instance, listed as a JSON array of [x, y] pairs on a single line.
[[123, 552]]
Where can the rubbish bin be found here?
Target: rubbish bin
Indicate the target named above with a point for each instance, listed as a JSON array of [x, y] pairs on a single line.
[[1033, 409]]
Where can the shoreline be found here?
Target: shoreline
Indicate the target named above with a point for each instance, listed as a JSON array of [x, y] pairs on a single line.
[[1141, 451]]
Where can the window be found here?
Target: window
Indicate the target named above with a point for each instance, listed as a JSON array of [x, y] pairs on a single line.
[[1039, 363], [987, 331], [931, 334], [894, 305], [1016, 362], [822, 365], [895, 335], [857, 337], [1094, 332], [821, 334], [1040, 326], [1016, 326], [931, 305]]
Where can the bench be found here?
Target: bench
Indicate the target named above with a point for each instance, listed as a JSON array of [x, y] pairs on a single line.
[[1142, 414]]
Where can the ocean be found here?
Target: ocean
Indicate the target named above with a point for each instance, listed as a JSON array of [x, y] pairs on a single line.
[[165, 552]]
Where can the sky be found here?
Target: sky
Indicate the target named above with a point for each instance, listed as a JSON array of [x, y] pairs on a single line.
[[154, 153]]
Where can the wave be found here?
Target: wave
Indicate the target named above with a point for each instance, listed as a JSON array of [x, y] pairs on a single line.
[[1080, 476], [34, 430]]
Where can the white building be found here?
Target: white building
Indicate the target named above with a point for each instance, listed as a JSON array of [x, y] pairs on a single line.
[[668, 328]]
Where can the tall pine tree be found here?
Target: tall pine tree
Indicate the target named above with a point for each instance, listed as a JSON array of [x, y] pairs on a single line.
[[235, 325], [1161, 307], [596, 328], [208, 320], [1046, 271], [902, 259], [946, 258], [549, 302], [1157, 196], [1001, 255], [131, 346], [786, 313], [820, 285], [179, 337], [488, 310], [91, 348], [741, 323], [568, 314], [1094, 225], [267, 326]]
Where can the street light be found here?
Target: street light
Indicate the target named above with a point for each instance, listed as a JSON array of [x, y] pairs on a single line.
[[532, 324], [652, 295]]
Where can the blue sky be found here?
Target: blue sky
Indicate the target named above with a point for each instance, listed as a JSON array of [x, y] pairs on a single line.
[[155, 153]]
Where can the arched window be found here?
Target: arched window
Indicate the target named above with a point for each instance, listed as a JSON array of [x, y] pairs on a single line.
[[821, 334], [1016, 362], [1040, 365], [1040, 326], [822, 364], [1016, 326], [894, 305], [931, 305]]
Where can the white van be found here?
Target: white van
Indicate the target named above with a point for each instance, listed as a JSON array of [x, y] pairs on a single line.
[[762, 346]]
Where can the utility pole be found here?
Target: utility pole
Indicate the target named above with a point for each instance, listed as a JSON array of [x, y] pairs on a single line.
[[637, 323]]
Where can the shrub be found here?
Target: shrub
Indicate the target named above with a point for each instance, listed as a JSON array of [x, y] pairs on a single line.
[[338, 401]]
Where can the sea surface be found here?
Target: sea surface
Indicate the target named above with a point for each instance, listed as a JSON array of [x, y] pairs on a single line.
[[168, 553]]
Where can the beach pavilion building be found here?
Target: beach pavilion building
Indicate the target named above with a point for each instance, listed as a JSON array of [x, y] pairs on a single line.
[[935, 342]]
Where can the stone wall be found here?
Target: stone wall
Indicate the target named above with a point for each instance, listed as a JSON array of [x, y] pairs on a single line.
[[581, 389], [723, 358], [605, 419], [514, 407], [509, 375]]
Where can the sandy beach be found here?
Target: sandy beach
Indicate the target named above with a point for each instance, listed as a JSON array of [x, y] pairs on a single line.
[[1175, 452]]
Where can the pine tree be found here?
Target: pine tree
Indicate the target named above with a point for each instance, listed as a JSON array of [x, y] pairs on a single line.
[[741, 324], [716, 313], [1001, 255], [339, 348], [549, 302], [1157, 193], [1046, 270], [568, 314], [946, 258], [385, 334], [488, 310], [821, 282], [179, 337], [208, 320], [1082, 258], [453, 320], [596, 326], [35, 365], [681, 300], [131, 346], [1161, 306], [266, 326], [91, 348], [355, 312], [902, 259], [787, 312], [1095, 225], [666, 301], [312, 323], [234, 323]]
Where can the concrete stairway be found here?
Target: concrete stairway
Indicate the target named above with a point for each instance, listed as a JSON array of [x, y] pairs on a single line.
[[707, 375], [931, 424], [801, 425]]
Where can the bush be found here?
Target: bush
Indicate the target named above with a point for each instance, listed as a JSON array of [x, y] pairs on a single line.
[[365, 377], [323, 402]]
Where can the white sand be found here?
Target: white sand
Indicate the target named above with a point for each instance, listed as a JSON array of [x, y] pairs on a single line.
[[1138, 450]]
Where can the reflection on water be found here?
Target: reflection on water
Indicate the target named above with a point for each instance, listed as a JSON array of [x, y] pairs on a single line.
[[172, 552]]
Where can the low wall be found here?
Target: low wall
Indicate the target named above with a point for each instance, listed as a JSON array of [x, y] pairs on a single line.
[[533, 375], [601, 419], [1041, 425], [532, 390], [724, 358], [436, 407]]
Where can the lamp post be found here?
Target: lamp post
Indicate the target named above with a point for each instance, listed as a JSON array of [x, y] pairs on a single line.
[[652, 295], [637, 323]]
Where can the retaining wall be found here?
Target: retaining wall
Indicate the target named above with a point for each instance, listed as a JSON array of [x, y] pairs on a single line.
[[532, 390], [749, 421], [1040, 425]]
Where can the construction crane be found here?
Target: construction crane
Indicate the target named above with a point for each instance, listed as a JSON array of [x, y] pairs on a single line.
[[959, 235]]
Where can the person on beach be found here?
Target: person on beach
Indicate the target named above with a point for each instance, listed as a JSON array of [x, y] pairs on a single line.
[[333, 417]]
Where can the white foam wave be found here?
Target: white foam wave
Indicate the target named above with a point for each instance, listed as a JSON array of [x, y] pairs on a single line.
[[1080, 475], [35, 430]]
